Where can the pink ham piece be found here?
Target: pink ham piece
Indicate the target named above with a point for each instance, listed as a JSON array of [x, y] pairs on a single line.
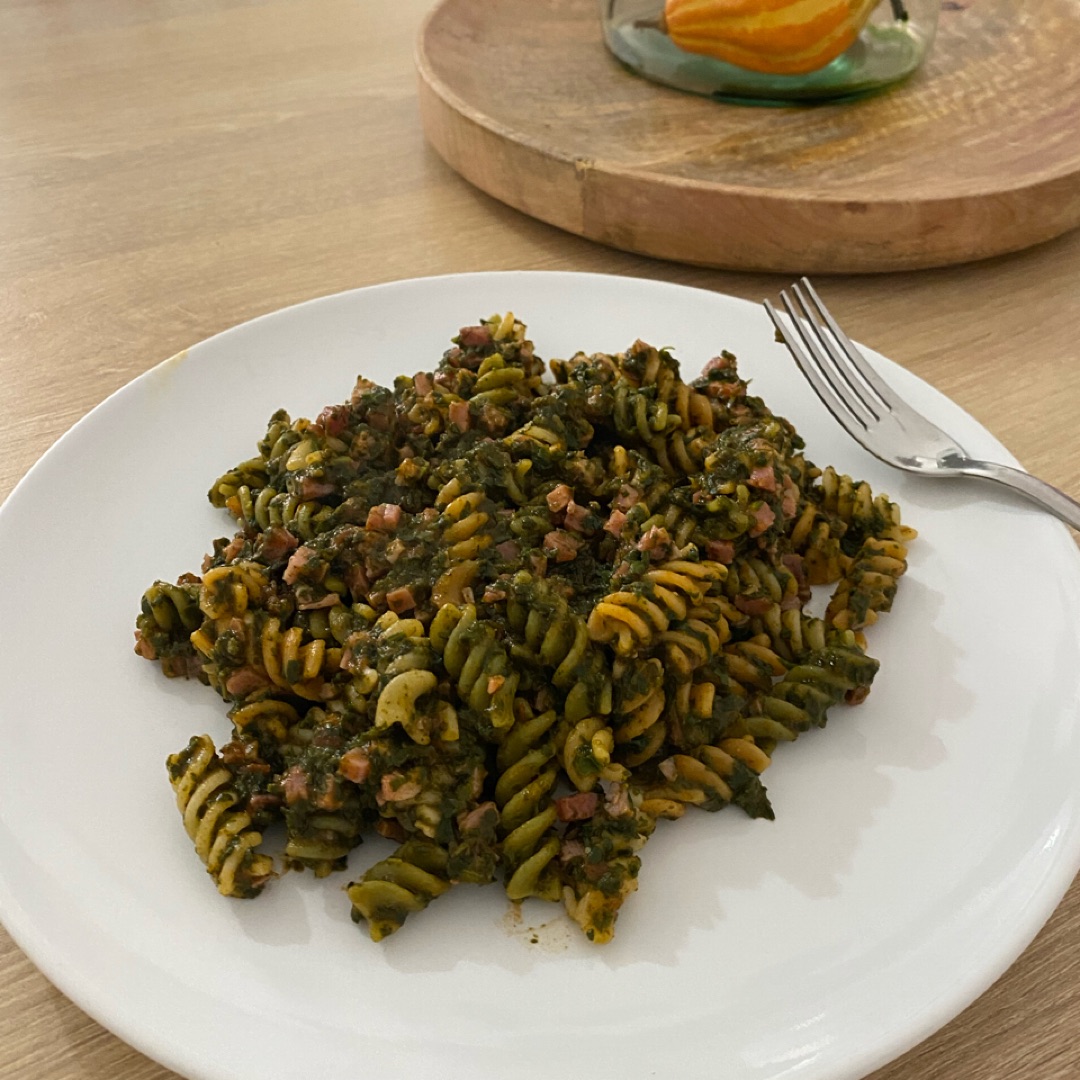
[[628, 496], [300, 558], [294, 785], [722, 551], [571, 849], [616, 798], [763, 477], [333, 419], [763, 517], [244, 680], [753, 605], [474, 337], [579, 807], [423, 384], [329, 600], [459, 415], [475, 818], [558, 498], [384, 517], [562, 545], [509, 550], [615, 523], [261, 802], [355, 765], [329, 798], [234, 547], [276, 543], [144, 647], [656, 539], [399, 600], [790, 502], [313, 488], [392, 789], [576, 516]]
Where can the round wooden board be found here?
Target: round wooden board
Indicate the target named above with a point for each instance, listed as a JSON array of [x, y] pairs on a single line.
[[977, 155]]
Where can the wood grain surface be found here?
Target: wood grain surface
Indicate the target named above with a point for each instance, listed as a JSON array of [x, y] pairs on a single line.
[[977, 155], [169, 168]]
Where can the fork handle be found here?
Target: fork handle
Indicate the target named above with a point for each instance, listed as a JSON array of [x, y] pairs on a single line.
[[1038, 491]]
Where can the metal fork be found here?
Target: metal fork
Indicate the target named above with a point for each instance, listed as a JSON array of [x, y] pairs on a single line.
[[875, 417]]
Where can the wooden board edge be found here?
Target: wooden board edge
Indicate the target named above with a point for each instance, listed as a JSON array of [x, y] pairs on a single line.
[[734, 228]]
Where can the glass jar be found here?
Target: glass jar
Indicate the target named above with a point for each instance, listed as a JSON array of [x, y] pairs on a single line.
[[891, 44]]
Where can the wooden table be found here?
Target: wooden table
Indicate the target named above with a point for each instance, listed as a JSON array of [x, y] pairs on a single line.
[[171, 167]]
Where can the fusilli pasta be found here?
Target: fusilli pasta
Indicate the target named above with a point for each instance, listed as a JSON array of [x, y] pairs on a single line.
[[510, 624]]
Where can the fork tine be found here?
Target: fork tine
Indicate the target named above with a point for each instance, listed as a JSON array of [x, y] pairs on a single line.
[[835, 403], [817, 343], [869, 376], [836, 365]]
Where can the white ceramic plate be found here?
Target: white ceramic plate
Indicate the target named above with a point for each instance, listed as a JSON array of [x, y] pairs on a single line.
[[921, 839]]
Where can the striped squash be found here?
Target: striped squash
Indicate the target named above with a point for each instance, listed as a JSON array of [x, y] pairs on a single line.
[[777, 37]]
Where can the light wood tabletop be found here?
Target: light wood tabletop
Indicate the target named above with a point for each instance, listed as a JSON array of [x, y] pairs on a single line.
[[169, 168]]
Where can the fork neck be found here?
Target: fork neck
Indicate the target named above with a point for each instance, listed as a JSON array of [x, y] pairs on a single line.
[[1037, 491]]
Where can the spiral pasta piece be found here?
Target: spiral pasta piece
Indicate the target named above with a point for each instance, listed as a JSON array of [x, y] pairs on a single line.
[[802, 698], [168, 617], [558, 639], [395, 888], [639, 728], [636, 617], [868, 586], [601, 863], [528, 770], [472, 655], [221, 829], [714, 776]]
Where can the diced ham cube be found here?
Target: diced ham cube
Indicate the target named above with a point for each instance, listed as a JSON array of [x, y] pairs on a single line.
[[395, 788], [763, 477], [474, 337], [313, 488], [233, 548], [329, 600], [300, 558], [628, 496], [333, 419], [509, 550], [355, 765], [561, 545], [144, 647], [763, 517], [475, 818], [722, 551], [294, 785], [753, 605], [615, 523], [384, 517], [245, 680], [459, 415], [401, 599], [577, 807], [576, 516], [559, 497]]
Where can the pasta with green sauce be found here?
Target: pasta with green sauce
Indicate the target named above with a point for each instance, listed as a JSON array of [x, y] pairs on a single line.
[[510, 623]]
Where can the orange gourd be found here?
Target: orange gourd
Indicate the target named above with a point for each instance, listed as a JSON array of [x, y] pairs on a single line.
[[777, 37]]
